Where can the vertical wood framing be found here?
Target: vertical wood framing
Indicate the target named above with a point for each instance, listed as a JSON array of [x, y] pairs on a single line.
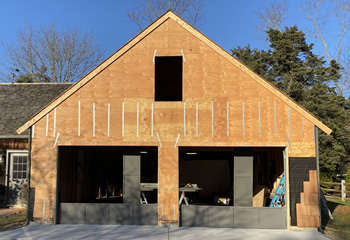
[[286, 174]]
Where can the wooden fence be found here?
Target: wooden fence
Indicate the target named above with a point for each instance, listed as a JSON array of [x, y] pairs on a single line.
[[336, 189]]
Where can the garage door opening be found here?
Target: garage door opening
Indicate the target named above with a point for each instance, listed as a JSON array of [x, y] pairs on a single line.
[[231, 187], [211, 171], [102, 185]]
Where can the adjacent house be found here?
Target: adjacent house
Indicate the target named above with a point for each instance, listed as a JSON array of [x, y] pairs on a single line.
[[171, 129], [18, 102]]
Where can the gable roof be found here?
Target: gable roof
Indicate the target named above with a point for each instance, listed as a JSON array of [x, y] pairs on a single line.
[[19, 102], [170, 15]]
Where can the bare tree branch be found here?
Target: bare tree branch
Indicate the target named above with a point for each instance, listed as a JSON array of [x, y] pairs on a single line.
[[271, 16], [312, 9], [49, 54], [149, 10]]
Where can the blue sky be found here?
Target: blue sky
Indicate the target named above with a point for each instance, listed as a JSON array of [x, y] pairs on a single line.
[[229, 23]]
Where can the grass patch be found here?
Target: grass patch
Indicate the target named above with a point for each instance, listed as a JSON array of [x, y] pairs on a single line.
[[339, 227], [12, 221]]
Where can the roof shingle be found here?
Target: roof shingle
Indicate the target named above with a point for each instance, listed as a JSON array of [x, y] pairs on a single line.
[[19, 102]]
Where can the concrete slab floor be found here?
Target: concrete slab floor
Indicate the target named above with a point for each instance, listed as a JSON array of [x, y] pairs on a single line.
[[63, 231]]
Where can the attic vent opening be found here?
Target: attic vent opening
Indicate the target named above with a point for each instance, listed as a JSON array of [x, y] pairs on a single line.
[[168, 78]]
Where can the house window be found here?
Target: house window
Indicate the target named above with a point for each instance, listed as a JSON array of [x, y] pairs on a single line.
[[168, 79], [19, 167]]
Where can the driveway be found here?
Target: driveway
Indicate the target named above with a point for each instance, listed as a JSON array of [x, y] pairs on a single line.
[[152, 233]]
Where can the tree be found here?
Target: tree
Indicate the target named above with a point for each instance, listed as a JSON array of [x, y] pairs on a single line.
[[271, 16], [50, 54], [291, 65], [149, 10], [318, 12]]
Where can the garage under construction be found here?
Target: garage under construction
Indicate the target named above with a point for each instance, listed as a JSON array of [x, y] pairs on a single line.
[[172, 130]]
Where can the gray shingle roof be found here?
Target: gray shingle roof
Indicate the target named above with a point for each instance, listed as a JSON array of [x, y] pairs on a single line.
[[19, 102]]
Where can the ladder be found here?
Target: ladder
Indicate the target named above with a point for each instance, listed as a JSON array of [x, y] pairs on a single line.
[[278, 198]]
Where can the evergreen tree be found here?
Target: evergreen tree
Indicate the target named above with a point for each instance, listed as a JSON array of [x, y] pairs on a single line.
[[291, 65]]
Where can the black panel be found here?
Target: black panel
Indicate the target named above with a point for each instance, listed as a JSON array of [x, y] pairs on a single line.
[[232, 217], [298, 173], [243, 177], [131, 183], [168, 79], [31, 203], [104, 213]]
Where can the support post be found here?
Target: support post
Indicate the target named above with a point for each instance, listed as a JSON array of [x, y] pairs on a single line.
[[343, 190], [29, 214]]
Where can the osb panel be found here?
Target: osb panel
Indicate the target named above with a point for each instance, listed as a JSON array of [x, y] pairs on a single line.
[[43, 171], [209, 79], [308, 210], [168, 195]]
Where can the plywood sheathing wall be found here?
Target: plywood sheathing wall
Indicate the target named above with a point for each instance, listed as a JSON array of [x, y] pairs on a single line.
[[210, 84]]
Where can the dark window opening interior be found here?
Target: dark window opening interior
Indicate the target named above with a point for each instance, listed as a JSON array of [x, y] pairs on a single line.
[[268, 168], [168, 78], [212, 170], [95, 174]]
